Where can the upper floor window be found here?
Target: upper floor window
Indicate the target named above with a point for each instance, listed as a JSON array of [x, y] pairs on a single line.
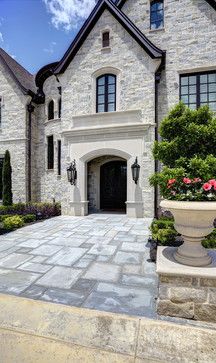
[[199, 89], [51, 110], [59, 107], [157, 14], [106, 39], [106, 93]]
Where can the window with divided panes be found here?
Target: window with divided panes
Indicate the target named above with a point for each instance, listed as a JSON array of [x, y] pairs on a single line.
[[198, 89], [106, 93]]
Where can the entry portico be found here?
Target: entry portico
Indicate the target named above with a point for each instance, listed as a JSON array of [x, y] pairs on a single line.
[[124, 136]]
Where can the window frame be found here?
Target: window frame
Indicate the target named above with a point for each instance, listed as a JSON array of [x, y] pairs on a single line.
[[197, 75], [151, 11], [50, 153], [49, 111], [106, 94]]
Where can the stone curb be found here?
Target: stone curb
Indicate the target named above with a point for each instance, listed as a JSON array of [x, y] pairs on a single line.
[[32, 331]]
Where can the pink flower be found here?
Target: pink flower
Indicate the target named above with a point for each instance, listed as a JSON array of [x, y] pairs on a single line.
[[215, 186], [171, 181], [197, 180], [212, 182], [207, 187], [187, 181], [173, 193]]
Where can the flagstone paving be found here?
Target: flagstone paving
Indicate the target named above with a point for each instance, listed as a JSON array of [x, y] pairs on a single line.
[[100, 261]]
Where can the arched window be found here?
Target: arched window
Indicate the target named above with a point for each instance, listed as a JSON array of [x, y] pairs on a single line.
[[106, 93], [157, 14], [51, 110]]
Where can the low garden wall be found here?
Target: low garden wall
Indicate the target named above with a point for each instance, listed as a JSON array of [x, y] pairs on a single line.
[[184, 291]]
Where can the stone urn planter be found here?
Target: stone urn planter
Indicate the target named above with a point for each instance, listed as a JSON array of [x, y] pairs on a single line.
[[194, 221]]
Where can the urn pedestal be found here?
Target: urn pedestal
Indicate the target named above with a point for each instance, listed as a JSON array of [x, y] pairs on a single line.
[[194, 221]]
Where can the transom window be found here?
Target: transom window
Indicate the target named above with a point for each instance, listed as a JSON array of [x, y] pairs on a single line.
[[157, 14], [198, 90], [106, 93]]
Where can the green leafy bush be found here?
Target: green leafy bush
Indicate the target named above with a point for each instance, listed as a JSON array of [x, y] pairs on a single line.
[[3, 217], [210, 241], [187, 150], [13, 222], [163, 231], [28, 218], [7, 197]]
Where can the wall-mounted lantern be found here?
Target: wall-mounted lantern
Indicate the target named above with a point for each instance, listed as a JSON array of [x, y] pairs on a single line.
[[135, 171], [72, 173]]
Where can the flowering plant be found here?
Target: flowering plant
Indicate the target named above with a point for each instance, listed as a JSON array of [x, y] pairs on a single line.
[[191, 189]]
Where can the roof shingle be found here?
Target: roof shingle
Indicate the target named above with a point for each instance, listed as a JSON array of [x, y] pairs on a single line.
[[22, 77]]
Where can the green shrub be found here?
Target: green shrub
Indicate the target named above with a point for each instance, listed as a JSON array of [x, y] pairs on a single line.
[[28, 218], [7, 197], [3, 217], [164, 233], [187, 149], [13, 222], [46, 210], [163, 230], [210, 241]]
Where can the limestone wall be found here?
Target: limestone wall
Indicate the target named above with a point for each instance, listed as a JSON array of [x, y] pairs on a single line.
[[189, 38], [13, 132]]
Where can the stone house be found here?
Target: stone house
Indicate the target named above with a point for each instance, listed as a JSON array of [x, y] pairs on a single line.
[[101, 104]]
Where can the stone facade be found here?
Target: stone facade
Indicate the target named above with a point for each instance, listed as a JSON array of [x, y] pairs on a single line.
[[127, 133], [185, 291], [187, 297]]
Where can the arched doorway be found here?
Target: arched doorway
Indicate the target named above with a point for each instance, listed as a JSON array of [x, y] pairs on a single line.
[[107, 184], [113, 186]]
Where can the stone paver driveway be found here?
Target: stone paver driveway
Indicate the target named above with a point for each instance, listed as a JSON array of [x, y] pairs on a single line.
[[99, 261]]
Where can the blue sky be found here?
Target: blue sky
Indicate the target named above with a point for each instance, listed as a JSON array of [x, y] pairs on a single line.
[[37, 32]]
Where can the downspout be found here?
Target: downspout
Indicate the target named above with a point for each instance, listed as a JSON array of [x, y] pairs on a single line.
[[157, 81], [30, 110]]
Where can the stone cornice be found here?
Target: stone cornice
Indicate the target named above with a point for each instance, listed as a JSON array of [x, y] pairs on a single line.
[[105, 131], [13, 140]]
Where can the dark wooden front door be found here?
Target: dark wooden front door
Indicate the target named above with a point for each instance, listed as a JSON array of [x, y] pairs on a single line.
[[113, 185]]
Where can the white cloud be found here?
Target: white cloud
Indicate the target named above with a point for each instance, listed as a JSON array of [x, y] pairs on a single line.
[[68, 13], [50, 48], [1, 38]]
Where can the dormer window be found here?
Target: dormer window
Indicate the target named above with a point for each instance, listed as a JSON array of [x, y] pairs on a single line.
[[106, 93], [157, 14], [51, 110], [106, 39]]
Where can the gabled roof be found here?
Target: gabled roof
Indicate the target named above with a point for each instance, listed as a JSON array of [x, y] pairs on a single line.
[[21, 76], [212, 3], [144, 42]]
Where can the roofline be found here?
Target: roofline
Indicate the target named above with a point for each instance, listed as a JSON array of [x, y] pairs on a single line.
[[212, 3], [45, 72], [24, 90], [153, 51]]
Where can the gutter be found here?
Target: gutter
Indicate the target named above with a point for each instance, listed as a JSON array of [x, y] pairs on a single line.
[[157, 81]]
